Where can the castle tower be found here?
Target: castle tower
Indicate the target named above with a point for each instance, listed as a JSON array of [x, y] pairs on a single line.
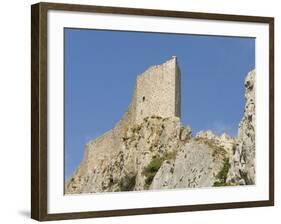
[[157, 91]]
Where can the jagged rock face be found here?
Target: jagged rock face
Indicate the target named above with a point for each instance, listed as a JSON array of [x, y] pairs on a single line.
[[224, 140], [156, 137], [196, 165], [159, 153], [243, 159]]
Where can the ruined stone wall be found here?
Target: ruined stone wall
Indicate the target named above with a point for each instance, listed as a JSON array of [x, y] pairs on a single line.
[[177, 92], [157, 91]]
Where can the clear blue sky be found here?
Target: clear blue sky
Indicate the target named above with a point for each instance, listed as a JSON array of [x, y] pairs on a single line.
[[101, 68]]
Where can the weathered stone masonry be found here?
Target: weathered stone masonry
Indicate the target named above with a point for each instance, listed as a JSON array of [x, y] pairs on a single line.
[[157, 93]]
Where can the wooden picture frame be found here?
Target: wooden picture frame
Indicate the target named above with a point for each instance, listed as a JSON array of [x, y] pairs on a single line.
[[39, 110]]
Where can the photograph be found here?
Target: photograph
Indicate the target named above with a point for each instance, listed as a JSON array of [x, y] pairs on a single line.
[[153, 111], [145, 111], [136, 111]]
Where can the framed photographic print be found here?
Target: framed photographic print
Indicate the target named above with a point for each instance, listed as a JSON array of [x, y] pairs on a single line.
[[140, 111]]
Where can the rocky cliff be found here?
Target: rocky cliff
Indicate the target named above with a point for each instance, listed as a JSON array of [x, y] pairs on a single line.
[[242, 160], [158, 152]]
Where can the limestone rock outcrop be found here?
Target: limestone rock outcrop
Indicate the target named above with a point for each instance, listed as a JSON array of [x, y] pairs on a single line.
[[224, 140], [150, 149], [159, 153], [156, 139], [242, 161], [196, 165]]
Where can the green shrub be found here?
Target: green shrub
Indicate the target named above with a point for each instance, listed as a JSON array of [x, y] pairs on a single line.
[[151, 169], [222, 175], [154, 165]]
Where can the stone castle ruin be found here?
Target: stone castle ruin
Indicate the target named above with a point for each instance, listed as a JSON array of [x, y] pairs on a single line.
[[157, 93], [149, 148]]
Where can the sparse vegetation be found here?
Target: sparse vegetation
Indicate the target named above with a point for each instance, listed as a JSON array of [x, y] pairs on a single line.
[[170, 155], [217, 150], [222, 175], [151, 169]]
